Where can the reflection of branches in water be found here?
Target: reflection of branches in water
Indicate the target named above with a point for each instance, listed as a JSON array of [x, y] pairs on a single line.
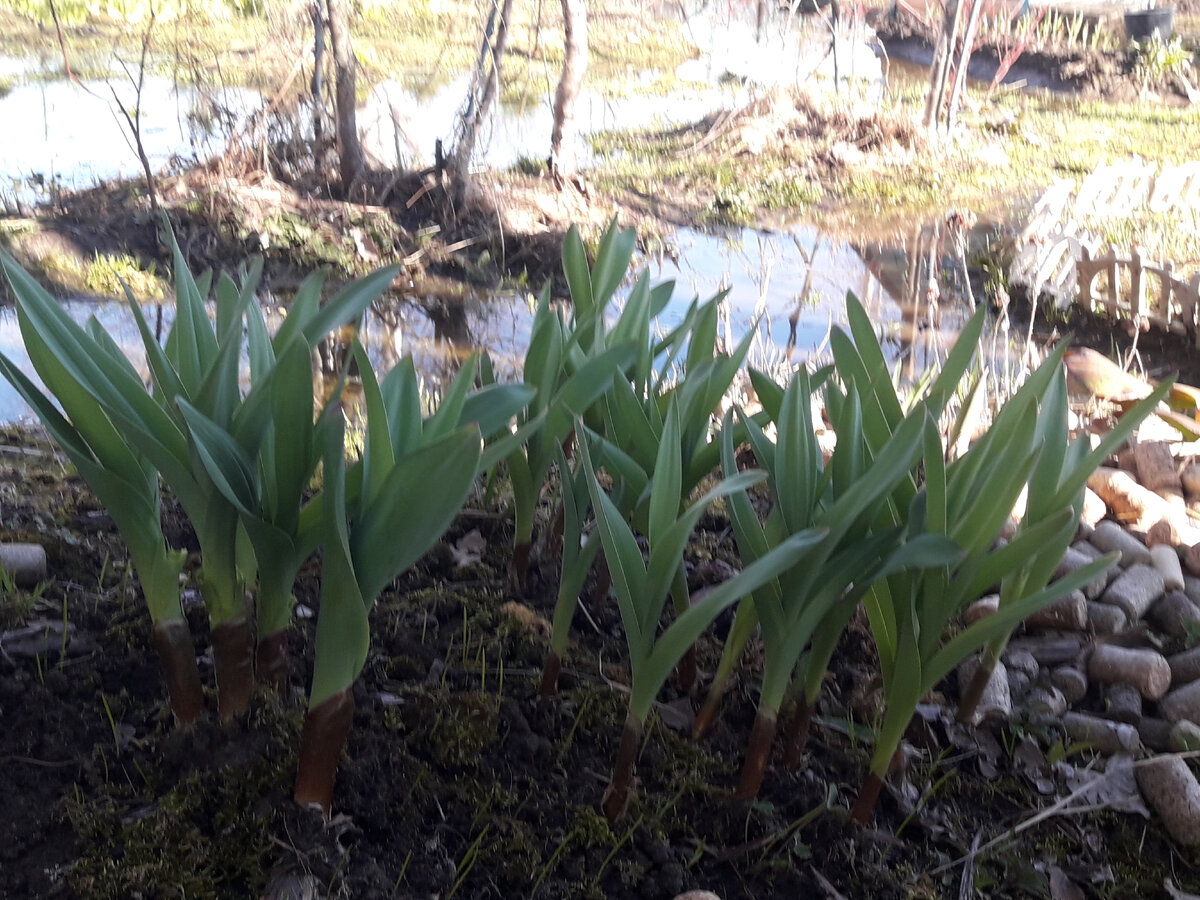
[[806, 296]]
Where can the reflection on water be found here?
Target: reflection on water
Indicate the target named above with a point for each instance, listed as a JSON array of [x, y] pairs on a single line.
[[60, 132], [400, 125], [790, 285], [437, 327], [794, 284]]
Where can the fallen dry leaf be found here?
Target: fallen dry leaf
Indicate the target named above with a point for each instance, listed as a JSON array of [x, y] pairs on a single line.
[[1116, 788]]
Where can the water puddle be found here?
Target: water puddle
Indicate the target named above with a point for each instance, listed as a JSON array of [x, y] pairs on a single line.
[[400, 125], [61, 134], [790, 285]]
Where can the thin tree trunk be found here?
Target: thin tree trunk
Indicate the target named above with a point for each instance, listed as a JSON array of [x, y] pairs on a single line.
[[316, 87], [964, 58], [564, 135], [350, 155], [177, 657], [484, 85], [940, 70]]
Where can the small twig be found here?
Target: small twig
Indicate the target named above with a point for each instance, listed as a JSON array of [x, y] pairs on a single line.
[[62, 44], [43, 763]]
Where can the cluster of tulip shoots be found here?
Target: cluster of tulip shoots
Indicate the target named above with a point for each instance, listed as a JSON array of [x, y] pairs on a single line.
[[891, 522], [241, 466], [894, 522]]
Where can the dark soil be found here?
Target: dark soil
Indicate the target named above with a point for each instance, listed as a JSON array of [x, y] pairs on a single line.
[[458, 780]]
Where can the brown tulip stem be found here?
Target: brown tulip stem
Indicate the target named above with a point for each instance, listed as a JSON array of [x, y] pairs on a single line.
[[321, 744], [177, 657], [868, 796], [620, 789], [233, 657], [797, 734], [518, 572], [758, 754], [708, 712], [687, 673], [550, 670], [271, 662], [603, 581]]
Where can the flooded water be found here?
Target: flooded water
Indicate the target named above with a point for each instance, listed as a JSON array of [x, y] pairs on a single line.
[[70, 135], [401, 125], [788, 284], [791, 285]]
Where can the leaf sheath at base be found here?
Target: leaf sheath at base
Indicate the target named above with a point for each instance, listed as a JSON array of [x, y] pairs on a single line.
[[321, 745], [758, 754], [686, 673], [620, 789], [518, 572], [550, 672], [796, 738], [271, 663], [868, 795], [177, 656], [603, 581], [233, 656], [708, 712]]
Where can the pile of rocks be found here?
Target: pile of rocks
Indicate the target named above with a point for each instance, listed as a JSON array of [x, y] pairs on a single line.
[[1112, 660]]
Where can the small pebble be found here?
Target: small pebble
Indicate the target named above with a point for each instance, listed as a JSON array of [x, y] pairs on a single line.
[[1110, 537], [1022, 660], [1071, 681], [981, 609], [1191, 587], [24, 563], [1076, 559], [1051, 649], [1145, 669], [995, 703], [1185, 736], [1047, 700], [1172, 613], [1135, 590], [1104, 618], [1103, 735], [1185, 666], [1155, 733], [1182, 703], [1166, 560], [1171, 790], [1123, 703], [1068, 613]]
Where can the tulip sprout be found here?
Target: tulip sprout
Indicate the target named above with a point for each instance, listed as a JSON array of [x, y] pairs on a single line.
[[642, 587], [122, 479]]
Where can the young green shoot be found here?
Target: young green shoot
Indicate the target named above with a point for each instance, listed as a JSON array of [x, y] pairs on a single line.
[[642, 586], [409, 483], [118, 473]]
